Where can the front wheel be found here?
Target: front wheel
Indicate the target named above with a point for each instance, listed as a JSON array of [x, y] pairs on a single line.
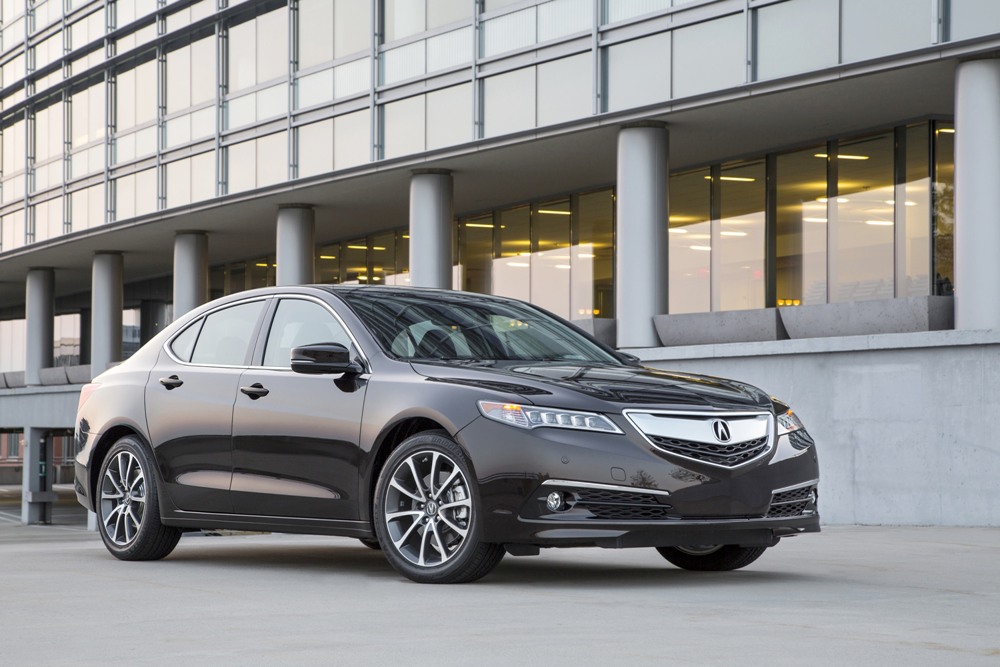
[[427, 513], [711, 558], [127, 505]]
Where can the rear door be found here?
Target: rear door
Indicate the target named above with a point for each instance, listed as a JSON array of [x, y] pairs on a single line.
[[295, 436], [189, 405]]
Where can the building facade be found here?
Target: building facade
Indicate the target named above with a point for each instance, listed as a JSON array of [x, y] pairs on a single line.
[[798, 193]]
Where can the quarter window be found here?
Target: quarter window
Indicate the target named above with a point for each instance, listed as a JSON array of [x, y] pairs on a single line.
[[225, 335], [298, 323]]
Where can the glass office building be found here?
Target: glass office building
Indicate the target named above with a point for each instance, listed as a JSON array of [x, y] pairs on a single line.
[[663, 172]]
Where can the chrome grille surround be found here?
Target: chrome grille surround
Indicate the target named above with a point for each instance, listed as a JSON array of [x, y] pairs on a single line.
[[690, 435]]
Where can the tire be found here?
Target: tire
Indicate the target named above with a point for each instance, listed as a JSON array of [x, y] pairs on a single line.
[[371, 544], [428, 514], [711, 558], [128, 511]]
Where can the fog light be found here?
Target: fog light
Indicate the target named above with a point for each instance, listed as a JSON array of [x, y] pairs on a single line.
[[554, 501]]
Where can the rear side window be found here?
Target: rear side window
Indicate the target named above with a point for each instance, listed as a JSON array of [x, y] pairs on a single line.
[[183, 345], [225, 336]]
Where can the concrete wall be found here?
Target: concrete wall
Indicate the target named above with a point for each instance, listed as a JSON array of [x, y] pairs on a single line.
[[906, 424]]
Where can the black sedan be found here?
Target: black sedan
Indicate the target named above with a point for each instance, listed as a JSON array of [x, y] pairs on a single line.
[[445, 428]]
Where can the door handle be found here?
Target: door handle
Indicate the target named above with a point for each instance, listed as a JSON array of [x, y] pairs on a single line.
[[255, 391], [171, 382]]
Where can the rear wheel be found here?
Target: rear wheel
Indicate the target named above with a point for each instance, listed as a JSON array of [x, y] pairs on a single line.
[[128, 505], [711, 557], [427, 513]]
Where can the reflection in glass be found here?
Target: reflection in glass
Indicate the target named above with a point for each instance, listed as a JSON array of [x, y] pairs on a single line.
[[476, 253], [328, 264], [550, 261], [738, 241], [354, 262], [512, 270], [690, 242], [592, 257], [801, 223], [944, 209], [382, 257], [913, 210], [862, 221]]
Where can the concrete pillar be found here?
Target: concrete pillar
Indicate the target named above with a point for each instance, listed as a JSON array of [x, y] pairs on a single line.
[[296, 245], [152, 319], [39, 309], [641, 234], [977, 197], [36, 477], [106, 303], [190, 271], [430, 228]]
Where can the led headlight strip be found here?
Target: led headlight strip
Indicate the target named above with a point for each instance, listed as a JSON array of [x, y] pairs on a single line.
[[533, 416]]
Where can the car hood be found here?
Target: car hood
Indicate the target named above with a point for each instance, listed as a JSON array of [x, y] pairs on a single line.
[[586, 387]]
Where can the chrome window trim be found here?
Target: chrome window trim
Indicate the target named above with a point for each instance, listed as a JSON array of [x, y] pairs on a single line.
[[604, 487], [706, 415]]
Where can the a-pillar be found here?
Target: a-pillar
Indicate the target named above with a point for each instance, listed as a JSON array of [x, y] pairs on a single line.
[[641, 234], [190, 271], [39, 315], [106, 303], [36, 477], [431, 228], [295, 246], [977, 197]]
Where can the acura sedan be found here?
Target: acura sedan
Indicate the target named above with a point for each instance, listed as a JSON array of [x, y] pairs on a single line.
[[445, 428]]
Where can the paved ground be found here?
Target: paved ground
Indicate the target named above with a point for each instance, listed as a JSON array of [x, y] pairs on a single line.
[[865, 596]]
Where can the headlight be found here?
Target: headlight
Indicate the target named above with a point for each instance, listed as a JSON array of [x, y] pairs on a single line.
[[532, 416], [788, 422]]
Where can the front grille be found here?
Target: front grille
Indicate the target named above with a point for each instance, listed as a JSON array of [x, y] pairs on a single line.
[[604, 496], [791, 503], [729, 455], [612, 505]]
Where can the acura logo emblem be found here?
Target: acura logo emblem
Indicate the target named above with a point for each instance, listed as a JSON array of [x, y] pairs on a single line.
[[721, 429]]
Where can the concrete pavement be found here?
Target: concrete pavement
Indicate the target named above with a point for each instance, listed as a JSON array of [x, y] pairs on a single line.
[[851, 595]]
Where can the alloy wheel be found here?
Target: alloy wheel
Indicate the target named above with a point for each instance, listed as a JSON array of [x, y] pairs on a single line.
[[123, 498]]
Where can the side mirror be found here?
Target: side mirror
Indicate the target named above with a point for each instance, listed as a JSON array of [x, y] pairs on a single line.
[[324, 359], [629, 359]]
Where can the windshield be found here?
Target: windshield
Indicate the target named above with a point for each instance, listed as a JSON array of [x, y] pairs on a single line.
[[463, 327]]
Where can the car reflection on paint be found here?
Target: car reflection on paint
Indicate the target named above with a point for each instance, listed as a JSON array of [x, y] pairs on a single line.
[[445, 428]]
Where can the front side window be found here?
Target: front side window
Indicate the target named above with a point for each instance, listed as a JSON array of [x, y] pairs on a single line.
[[225, 335], [297, 323]]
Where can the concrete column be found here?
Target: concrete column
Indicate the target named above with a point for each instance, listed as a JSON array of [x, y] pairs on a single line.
[[106, 303], [977, 197], [36, 478], [641, 219], [430, 228], [190, 271], [296, 245], [39, 310]]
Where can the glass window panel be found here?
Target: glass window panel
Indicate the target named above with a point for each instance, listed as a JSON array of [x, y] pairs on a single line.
[[796, 37], [801, 207], [402, 276], [709, 56], [315, 89], [564, 17], [351, 139], [241, 111], [351, 27], [738, 246], [272, 102], [449, 116], [145, 192], [508, 32], [354, 262], [352, 78], [512, 270], [12, 353], [179, 79], [179, 183], [550, 261], [272, 45], [690, 242], [873, 29], [972, 18], [13, 231], [145, 92], [382, 254], [404, 62], [203, 83], [944, 209], [443, 12], [316, 148], [315, 23], [203, 176], [242, 69], [225, 336], [592, 291], [328, 264], [509, 102], [490, 5], [125, 198], [272, 159], [402, 18], [638, 72], [404, 127], [476, 253], [125, 100], [565, 89], [48, 132], [913, 211], [861, 232], [87, 207], [242, 161], [298, 322], [449, 50]]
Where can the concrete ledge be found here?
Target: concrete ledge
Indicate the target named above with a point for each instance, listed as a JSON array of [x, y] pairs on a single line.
[[78, 374], [3, 381], [882, 316], [52, 376], [14, 379], [41, 496], [603, 329], [730, 326]]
